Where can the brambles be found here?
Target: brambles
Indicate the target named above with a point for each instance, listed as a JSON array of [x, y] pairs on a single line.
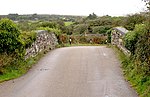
[[9, 34]]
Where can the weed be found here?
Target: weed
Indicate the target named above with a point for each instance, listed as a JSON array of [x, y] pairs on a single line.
[[17, 67], [138, 80]]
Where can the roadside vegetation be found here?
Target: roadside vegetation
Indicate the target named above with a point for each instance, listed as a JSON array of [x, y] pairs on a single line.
[[12, 49], [13, 67], [137, 67], [134, 74], [15, 39]]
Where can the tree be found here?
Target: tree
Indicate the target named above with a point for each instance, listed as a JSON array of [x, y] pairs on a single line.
[[61, 26], [80, 29], [49, 24], [132, 20], [13, 16], [92, 16], [100, 29], [147, 4], [101, 21], [117, 21], [28, 26]]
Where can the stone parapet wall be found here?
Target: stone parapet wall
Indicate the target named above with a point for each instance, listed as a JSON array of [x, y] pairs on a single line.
[[124, 50], [116, 39], [44, 42]]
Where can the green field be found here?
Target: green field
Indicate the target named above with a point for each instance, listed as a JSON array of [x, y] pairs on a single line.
[[68, 23]]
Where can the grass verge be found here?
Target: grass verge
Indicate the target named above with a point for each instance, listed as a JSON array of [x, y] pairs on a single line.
[[18, 67], [68, 45], [139, 81]]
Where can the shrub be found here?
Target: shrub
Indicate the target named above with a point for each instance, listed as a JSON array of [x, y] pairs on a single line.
[[142, 52], [109, 36], [99, 40], [63, 39], [83, 39], [27, 26], [9, 36], [100, 29], [54, 30], [49, 25], [137, 67], [80, 29], [131, 38], [131, 21], [27, 38]]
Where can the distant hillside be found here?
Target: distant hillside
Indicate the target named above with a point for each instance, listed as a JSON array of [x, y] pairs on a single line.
[[45, 17]]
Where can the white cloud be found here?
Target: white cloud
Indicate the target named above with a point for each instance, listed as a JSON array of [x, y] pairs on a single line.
[[74, 7]]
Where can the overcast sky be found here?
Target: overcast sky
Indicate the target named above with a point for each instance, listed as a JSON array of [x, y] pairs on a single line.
[[72, 7]]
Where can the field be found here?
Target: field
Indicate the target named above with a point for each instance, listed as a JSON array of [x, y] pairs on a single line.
[[68, 23]]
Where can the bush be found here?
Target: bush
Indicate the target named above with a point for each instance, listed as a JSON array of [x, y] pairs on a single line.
[[137, 67], [79, 39], [131, 38], [27, 38], [9, 36], [54, 30], [142, 52], [99, 40], [109, 36], [83, 40], [49, 25], [55, 27], [80, 29], [63, 39], [100, 29], [12, 40], [131, 21], [27, 26], [135, 75]]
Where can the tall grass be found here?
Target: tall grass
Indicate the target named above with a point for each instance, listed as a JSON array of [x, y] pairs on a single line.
[[12, 67], [139, 81]]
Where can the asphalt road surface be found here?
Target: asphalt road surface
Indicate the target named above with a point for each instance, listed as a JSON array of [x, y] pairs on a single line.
[[72, 72]]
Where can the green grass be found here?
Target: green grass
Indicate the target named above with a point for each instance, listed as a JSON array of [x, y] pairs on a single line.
[[10, 75], [138, 80], [68, 23], [19, 68], [68, 45]]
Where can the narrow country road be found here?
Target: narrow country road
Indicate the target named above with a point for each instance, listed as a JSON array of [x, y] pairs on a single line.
[[89, 71]]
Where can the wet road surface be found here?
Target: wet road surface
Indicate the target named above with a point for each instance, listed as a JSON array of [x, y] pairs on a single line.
[[72, 72]]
